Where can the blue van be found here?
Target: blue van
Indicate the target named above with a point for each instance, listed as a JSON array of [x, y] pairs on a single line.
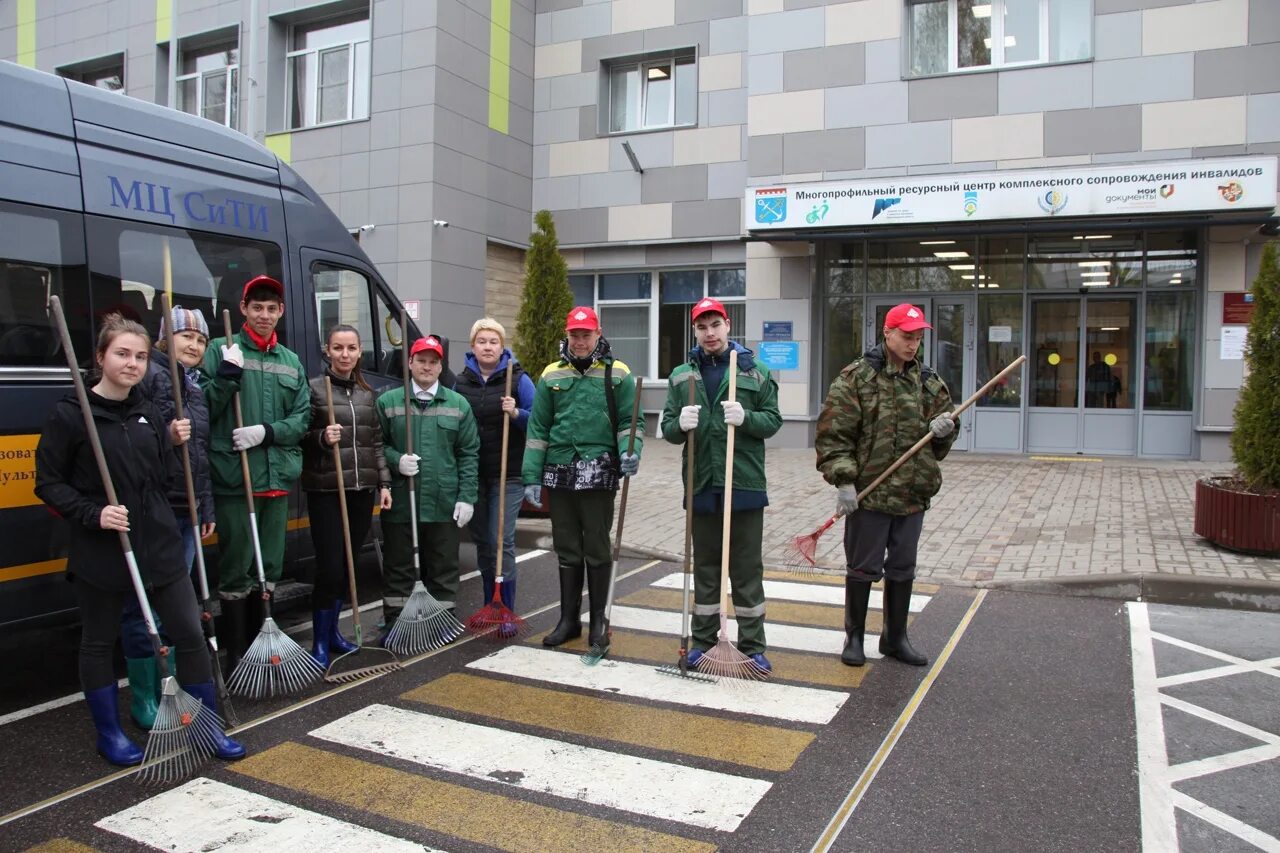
[[95, 189]]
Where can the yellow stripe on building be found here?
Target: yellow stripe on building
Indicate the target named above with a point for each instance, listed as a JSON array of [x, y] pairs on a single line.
[[164, 20], [27, 33], [500, 65], [734, 741], [477, 816], [281, 145]]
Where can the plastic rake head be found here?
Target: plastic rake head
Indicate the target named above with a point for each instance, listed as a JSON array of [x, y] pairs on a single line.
[[273, 666], [597, 652], [336, 675], [181, 739], [800, 556], [495, 621]]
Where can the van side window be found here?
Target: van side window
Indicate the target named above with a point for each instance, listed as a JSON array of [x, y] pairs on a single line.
[[132, 263], [41, 254], [343, 297]]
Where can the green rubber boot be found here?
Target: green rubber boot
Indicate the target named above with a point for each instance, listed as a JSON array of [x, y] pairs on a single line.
[[144, 683]]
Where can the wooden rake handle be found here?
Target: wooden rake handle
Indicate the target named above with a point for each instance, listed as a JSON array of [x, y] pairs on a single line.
[[626, 481], [175, 376], [500, 543], [728, 488], [342, 508], [691, 472]]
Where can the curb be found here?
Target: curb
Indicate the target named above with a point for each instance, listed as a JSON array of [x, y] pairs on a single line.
[[1223, 593]]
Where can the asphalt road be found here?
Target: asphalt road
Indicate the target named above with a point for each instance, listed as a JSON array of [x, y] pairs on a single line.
[[1045, 723]]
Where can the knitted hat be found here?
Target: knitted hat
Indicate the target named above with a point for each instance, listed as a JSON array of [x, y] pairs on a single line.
[[186, 320]]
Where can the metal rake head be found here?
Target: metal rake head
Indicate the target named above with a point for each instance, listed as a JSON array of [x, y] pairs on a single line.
[[333, 675], [681, 669], [274, 665], [181, 738], [495, 621], [723, 660], [413, 636]]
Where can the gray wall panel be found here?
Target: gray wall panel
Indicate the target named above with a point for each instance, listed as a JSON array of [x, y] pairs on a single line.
[[727, 107], [960, 96], [688, 11], [1238, 70], [582, 22], [824, 67], [679, 183], [1264, 21], [1145, 80], [604, 47], [716, 218], [764, 73], [586, 225], [685, 255], [729, 35], [685, 35], [726, 180], [1103, 7], [608, 189], [824, 151], [764, 155], [782, 31], [1103, 130], [869, 104], [1117, 36], [915, 144], [653, 150], [884, 61], [1058, 87]]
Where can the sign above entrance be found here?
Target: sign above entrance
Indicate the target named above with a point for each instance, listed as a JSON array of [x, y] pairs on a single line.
[[1221, 184]]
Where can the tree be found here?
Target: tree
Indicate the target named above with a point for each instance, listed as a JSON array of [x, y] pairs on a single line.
[[1255, 443], [546, 300]]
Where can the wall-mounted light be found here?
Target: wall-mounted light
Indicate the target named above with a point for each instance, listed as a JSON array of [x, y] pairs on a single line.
[[440, 223]]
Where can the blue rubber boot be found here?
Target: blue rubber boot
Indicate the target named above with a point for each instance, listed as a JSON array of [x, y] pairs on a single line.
[[761, 662], [321, 628], [508, 594], [693, 656], [223, 746], [144, 689], [337, 642], [112, 743]]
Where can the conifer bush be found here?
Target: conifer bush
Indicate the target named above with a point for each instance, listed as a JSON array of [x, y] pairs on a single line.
[[1255, 442], [546, 299]]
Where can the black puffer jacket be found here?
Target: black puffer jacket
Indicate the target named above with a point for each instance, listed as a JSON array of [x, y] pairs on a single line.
[[363, 464], [135, 442], [158, 387]]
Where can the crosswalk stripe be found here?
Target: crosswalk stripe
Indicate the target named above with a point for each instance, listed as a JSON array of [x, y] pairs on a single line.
[[629, 783], [728, 740], [638, 681], [838, 580], [776, 612], [806, 592], [61, 845], [480, 817], [205, 814], [819, 640], [824, 670]]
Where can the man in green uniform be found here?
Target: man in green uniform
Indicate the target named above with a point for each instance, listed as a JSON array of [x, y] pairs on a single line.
[[276, 404], [877, 408], [755, 416], [445, 462], [573, 443]]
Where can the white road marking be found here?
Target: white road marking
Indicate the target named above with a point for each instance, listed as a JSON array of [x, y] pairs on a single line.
[[811, 593], [1159, 825], [207, 815], [1227, 823], [821, 640], [637, 785], [639, 681]]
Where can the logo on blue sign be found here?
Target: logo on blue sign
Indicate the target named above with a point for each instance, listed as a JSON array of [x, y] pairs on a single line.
[[771, 209]]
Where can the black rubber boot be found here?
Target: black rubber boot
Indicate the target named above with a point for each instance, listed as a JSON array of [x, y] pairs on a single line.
[[856, 593], [597, 592], [570, 625], [231, 625], [893, 640]]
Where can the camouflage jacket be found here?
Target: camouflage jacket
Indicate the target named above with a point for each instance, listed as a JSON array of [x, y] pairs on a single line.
[[872, 415]]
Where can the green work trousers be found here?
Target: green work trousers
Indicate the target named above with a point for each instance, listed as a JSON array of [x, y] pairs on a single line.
[[580, 524], [237, 574], [438, 553], [746, 579]]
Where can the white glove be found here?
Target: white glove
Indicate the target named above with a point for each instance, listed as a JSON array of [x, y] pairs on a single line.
[[533, 494], [846, 500], [942, 426], [233, 354], [734, 414], [462, 513], [689, 418], [409, 465], [243, 438]]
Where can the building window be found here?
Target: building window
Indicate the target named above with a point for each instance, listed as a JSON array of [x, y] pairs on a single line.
[[650, 92], [945, 36], [104, 73], [328, 70], [209, 83]]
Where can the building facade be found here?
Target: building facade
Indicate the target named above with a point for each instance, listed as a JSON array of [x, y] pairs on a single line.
[[1086, 182]]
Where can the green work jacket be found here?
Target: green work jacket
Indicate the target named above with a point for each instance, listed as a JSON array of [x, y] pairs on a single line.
[[447, 443], [273, 391]]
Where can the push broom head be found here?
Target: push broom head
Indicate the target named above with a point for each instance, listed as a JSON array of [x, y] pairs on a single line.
[[424, 624], [495, 621], [723, 660], [274, 665], [181, 738]]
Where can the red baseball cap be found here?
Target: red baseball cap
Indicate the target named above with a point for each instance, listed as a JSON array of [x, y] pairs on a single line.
[[906, 317], [581, 317], [428, 344], [262, 281], [708, 306]]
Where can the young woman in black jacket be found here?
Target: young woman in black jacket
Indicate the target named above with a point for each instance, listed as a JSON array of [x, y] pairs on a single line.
[[138, 447], [365, 478]]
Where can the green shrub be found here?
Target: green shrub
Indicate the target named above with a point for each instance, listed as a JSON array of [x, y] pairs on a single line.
[[546, 299], [1255, 443]]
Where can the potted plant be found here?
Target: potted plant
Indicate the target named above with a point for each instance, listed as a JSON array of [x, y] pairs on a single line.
[[1241, 512]]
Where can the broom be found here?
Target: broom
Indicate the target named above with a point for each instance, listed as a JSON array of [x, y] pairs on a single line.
[[495, 619], [800, 556], [424, 623], [723, 659], [333, 674], [182, 736], [206, 614], [273, 663], [681, 668]]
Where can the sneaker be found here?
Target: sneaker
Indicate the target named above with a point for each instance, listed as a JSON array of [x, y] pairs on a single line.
[[761, 662], [693, 657]]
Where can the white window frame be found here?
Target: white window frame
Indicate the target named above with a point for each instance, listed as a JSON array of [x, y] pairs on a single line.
[[313, 103], [230, 73], [997, 47], [639, 99]]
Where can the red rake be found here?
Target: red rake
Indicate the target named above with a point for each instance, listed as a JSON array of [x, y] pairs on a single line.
[[495, 620], [800, 556]]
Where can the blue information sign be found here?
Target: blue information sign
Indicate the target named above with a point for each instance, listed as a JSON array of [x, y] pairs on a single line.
[[780, 355], [778, 330]]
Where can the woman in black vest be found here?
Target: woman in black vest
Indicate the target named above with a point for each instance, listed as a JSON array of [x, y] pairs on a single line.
[[483, 382], [364, 476]]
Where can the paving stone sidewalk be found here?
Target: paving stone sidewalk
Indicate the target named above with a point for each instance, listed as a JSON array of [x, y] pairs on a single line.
[[998, 518]]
